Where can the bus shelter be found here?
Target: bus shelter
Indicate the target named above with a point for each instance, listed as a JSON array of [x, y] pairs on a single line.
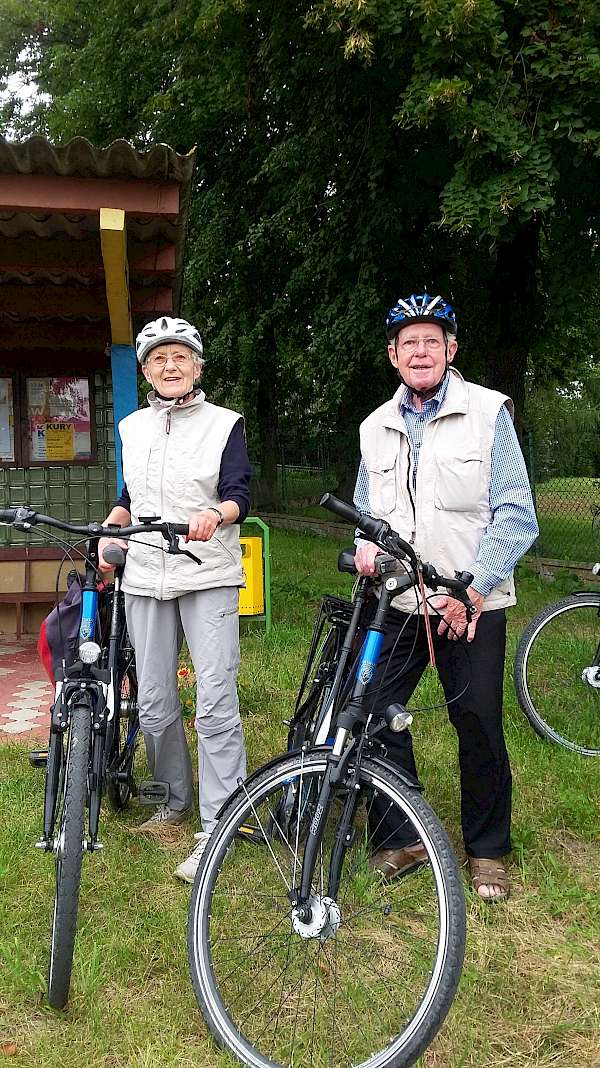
[[92, 248]]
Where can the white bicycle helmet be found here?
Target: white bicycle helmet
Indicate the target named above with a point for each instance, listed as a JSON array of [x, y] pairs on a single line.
[[164, 330]]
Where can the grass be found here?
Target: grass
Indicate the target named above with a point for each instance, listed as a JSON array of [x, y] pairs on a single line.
[[529, 991]]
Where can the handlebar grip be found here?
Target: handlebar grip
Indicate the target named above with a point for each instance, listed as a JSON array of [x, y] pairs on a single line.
[[8, 515], [115, 555], [373, 528], [341, 508]]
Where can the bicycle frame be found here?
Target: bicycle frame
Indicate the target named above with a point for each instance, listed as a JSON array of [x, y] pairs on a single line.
[[90, 685], [345, 722]]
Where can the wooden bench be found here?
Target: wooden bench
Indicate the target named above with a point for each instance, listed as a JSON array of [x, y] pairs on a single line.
[[20, 598]]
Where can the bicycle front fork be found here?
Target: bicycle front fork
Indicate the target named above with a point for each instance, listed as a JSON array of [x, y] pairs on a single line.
[[301, 898]]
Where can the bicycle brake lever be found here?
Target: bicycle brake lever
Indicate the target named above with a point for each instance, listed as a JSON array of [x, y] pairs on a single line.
[[174, 547]]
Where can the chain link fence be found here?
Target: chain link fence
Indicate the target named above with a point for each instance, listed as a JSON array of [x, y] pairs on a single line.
[[564, 475], [565, 479]]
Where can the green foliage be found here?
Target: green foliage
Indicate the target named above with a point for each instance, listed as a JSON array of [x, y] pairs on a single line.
[[349, 150]]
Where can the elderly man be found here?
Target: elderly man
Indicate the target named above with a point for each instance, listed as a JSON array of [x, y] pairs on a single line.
[[185, 460], [442, 464]]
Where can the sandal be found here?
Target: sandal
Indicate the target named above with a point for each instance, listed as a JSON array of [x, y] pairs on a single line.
[[485, 872], [395, 863]]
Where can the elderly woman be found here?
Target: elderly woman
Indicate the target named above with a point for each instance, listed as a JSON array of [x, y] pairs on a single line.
[[185, 460]]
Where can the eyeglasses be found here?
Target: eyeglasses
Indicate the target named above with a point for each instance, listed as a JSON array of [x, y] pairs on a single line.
[[432, 344], [180, 360]]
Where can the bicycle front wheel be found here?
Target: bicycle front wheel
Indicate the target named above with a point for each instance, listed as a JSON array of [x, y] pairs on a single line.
[[370, 978], [69, 855], [557, 675]]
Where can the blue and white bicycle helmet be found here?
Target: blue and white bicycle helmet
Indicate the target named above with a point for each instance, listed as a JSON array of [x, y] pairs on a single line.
[[422, 307], [164, 330]]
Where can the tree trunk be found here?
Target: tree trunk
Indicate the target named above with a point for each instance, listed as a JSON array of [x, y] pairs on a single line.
[[266, 417], [514, 301]]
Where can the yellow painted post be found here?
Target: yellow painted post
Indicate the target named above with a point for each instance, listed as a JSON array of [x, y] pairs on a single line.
[[113, 239]]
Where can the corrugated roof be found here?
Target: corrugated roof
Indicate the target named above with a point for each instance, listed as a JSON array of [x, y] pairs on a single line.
[[80, 157]]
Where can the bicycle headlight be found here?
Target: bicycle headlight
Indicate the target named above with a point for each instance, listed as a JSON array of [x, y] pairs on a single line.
[[397, 718], [89, 652]]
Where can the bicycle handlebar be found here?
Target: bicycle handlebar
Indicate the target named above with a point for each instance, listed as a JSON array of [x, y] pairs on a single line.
[[375, 530], [380, 532], [25, 517]]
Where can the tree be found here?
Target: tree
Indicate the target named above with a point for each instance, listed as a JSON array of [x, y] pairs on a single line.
[[349, 151], [513, 92]]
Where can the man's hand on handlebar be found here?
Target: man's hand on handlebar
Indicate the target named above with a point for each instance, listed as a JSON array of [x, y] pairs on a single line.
[[364, 558], [454, 622]]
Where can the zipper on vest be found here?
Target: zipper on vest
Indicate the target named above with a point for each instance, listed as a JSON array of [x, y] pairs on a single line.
[[162, 502], [410, 493]]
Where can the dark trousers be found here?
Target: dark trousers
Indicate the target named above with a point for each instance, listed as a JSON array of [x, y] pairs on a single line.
[[477, 668]]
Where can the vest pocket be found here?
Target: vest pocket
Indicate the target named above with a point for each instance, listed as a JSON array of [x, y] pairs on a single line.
[[382, 488], [458, 483]]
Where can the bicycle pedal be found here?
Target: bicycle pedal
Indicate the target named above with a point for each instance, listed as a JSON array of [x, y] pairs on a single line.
[[247, 833], [38, 758], [152, 792]]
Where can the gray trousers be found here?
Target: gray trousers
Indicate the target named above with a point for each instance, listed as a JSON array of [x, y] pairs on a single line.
[[209, 621]]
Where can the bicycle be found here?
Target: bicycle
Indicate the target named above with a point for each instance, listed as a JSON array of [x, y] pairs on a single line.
[[93, 730], [299, 950], [557, 672]]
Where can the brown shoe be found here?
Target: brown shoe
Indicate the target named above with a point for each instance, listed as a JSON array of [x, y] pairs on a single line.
[[492, 875], [394, 863]]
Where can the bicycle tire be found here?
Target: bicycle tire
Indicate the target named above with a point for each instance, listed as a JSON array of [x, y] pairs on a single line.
[[263, 988], [559, 643], [69, 855], [120, 782]]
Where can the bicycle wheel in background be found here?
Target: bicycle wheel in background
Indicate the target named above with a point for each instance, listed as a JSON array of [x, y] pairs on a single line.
[[69, 854], [557, 673], [370, 979], [120, 783]]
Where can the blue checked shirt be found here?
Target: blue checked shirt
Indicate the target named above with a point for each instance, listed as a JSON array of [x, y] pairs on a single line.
[[513, 526]]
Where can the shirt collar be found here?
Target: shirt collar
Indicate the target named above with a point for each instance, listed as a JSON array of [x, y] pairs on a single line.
[[432, 404]]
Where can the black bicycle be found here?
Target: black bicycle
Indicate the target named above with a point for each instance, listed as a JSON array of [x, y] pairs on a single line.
[[93, 729], [300, 951], [557, 672]]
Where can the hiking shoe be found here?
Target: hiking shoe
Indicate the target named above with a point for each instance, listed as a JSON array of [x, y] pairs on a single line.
[[165, 816], [188, 867]]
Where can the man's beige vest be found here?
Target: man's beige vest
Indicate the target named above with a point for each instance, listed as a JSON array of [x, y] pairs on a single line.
[[447, 513], [171, 463]]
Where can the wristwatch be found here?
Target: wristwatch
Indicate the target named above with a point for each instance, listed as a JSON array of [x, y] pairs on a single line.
[[219, 513]]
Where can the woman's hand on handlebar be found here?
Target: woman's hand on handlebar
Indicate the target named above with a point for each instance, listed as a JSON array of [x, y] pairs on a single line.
[[364, 558], [202, 525], [103, 564], [454, 622]]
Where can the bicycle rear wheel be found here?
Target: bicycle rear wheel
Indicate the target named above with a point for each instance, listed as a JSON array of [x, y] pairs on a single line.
[[557, 673], [69, 854], [369, 981]]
